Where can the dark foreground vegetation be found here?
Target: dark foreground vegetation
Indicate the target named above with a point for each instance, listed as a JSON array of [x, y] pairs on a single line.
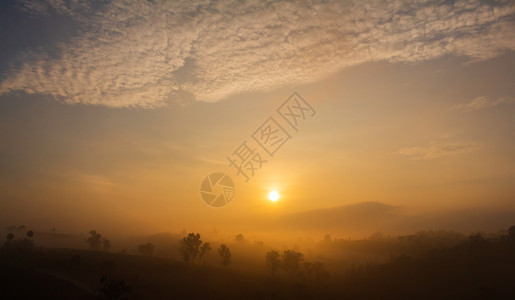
[[420, 266]]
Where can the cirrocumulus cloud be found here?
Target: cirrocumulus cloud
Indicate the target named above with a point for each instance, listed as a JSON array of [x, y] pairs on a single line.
[[145, 53]]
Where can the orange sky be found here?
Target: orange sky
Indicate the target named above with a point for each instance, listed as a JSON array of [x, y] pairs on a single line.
[[428, 130]]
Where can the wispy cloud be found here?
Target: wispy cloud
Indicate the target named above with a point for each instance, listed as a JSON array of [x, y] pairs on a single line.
[[483, 102], [435, 150], [144, 53]]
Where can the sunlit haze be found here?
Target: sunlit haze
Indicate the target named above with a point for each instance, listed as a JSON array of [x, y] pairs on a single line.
[[281, 149], [113, 114]]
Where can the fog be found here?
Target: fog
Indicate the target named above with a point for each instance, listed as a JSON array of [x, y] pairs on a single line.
[[270, 265]]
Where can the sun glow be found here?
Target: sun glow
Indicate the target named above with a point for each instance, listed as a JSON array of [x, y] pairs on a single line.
[[273, 196]]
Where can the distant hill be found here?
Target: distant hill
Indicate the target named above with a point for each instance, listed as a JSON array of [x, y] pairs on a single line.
[[368, 217], [359, 218]]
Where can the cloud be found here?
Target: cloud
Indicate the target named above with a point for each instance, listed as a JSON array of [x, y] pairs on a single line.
[[482, 102], [33, 8], [145, 53], [435, 150]]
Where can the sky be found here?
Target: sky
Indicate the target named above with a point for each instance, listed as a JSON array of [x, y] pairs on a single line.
[[112, 113]]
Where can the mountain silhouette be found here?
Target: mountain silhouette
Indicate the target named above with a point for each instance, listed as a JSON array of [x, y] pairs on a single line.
[[368, 217], [355, 217]]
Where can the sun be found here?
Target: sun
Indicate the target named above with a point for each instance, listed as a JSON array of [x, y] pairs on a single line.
[[273, 196]]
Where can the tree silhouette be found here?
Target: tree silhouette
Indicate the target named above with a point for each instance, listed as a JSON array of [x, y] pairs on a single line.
[[328, 238], [203, 250], [273, 261], [146, 249], [192, 248], [225, 253], [9, 241], [308, 269], [113, 289], [20, 245], [511, 232], [96, 241], [239, 238], [477, 242], [106, 244], [510, 238], [291, 261], [318, 271]]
